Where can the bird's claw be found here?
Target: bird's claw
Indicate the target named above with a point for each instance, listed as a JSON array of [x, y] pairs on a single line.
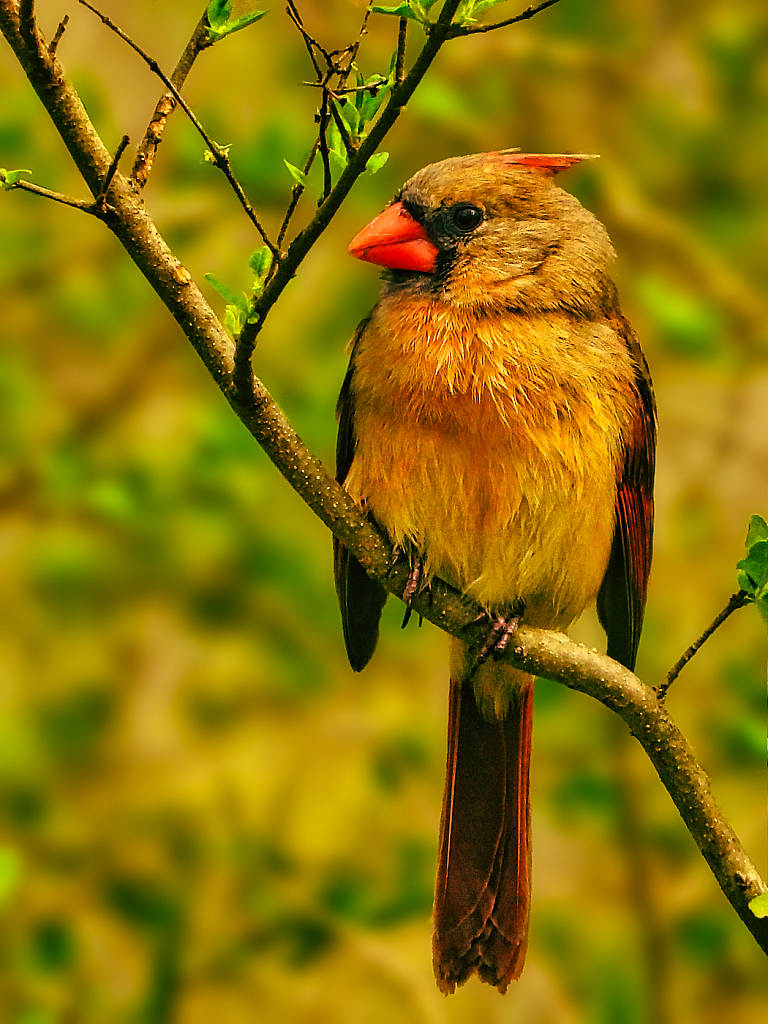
[[497, 641], [416, 582]]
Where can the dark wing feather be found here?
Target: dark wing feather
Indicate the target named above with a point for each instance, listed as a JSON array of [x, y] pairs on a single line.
[[361, 599], [621, 601]]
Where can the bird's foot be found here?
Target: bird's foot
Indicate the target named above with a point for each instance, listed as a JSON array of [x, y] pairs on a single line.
[[417, 579], [499, 635]]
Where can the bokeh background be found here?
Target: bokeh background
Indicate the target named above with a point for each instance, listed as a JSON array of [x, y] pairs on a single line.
[[204, 815]]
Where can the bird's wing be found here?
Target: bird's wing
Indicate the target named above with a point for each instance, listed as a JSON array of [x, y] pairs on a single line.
[[361, 599], [621, 601]]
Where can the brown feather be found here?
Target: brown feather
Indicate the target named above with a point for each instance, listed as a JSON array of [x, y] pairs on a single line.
[[482, 895]]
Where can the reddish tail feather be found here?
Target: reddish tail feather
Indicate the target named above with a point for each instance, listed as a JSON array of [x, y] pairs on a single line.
[[483, 891]]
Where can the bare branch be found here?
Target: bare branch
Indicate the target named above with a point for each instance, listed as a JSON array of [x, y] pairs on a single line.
[[57, 197], [738, 600], [323, 140], [54, 43], [309, 41], [355, 47], [296, 194], [402, 38], [101, 198], [145, 155], [529, 12], [219, 156]]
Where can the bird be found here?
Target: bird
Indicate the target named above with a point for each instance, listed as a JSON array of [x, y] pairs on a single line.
[[497, 421]]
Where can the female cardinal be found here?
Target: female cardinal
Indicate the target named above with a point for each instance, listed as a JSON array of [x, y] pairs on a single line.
[[497, 420]]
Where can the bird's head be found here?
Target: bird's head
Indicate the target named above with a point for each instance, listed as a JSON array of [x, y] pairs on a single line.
[[492, 229]]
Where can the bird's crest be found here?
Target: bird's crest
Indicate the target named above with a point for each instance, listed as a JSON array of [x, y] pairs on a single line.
[[548, 164]]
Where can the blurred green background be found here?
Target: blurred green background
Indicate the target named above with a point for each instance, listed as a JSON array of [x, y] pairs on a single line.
[[204, 815]]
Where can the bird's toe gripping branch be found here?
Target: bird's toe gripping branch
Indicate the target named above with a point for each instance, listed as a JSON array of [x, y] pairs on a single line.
[[418, 578], [503, 629]]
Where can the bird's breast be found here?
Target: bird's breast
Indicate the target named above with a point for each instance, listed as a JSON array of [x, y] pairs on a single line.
[[490, 443]]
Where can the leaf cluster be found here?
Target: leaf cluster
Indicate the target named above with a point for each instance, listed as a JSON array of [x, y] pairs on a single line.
[[418, 10], [10, 179], [753, 568], [239, 309], [221, 23]]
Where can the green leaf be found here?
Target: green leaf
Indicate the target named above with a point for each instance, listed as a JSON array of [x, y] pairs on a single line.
[[757, 530], [219, 12], [339, 160], [10, 871], [376, 162], [8, 179], [233, 321], [752, 572], [260, 261], [224, 291], [485, 5], [469, 10], [243, 22], [373, 100], [336, 143], [759, 905], [401, 11], [350, 116], [298, 176]]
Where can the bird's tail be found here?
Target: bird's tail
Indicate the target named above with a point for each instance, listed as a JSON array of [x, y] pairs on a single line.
[[483, 890]]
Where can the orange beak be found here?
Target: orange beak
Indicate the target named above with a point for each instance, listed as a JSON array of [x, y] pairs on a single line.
[[395, 240]]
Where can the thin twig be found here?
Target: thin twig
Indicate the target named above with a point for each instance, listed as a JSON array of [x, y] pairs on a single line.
[[402, 38], [54, 43], [296, 193], [219, 156], [310, 42], [529, 12], [738, 600], [355, 47], [101, 198], [349, 90], [324, 153], [57, 197], [145, 155]]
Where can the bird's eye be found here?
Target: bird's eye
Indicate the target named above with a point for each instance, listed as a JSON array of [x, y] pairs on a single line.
[[465, 217]]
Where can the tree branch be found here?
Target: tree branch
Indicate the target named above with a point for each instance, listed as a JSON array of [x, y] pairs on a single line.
[[101, 198], [738, 600], [402, 39], [56, 197], [145, 154], [529, 12], [62, 27]]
